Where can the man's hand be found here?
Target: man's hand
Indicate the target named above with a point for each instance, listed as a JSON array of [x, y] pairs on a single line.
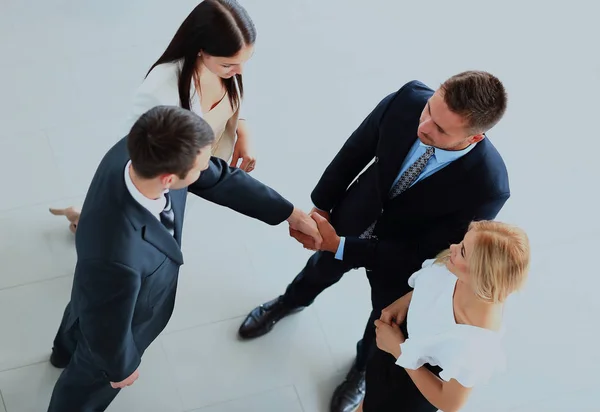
[[127, 382], [323, 213], [305, 230], [330, 239], [389, 338]]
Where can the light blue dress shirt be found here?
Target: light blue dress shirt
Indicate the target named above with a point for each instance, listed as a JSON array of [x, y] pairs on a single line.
[[439, 160]]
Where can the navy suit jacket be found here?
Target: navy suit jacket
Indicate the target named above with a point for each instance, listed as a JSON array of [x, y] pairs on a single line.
[[128, 264], [423, 220]]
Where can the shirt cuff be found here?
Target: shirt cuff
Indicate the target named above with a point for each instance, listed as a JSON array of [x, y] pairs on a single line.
[[339, 255]]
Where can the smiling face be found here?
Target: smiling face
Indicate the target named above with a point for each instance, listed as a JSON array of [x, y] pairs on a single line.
[[227, 67], [441, 128]]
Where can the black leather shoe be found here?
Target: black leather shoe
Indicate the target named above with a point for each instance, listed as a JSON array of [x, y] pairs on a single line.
[[59, 360], [261, 320], [348, 396]]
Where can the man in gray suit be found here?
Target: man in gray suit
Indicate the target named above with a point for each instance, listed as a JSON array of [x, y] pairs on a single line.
[[128, 249]]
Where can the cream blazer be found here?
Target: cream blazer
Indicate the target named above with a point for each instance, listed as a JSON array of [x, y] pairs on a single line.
[[161, 88]]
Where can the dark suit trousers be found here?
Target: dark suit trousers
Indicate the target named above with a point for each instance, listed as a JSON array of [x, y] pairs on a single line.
[[323, 270], [81, 387], [390, 388]]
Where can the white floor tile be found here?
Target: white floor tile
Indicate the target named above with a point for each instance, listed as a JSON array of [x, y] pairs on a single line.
[[30, 316], [30, 170], [211, 365], [343, 311], [78, 150], [28, 389], [284, 399], [581, 401], [154, 391], [34, 245], [315, 396]]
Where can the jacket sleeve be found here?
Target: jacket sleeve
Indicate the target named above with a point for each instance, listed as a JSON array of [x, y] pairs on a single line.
[[356, 153], [374, 254], [107, 294], [237, 190]]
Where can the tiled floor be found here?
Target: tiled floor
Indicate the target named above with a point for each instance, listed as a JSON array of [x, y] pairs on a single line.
[[66, 77]]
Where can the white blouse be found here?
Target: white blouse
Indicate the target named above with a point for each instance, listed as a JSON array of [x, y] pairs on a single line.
[[160, 88], [467, 353]]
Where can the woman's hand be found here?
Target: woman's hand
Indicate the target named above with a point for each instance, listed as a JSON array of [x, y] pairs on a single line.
[[242, 150], [389, 337]]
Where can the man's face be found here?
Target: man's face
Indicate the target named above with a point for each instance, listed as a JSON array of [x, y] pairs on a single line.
[[441, 128]]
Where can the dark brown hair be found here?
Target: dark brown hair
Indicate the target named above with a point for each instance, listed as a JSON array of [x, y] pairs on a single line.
[[167, 140], [220, 28], [478, 97]]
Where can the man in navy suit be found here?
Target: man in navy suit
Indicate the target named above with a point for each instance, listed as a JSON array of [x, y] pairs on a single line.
[[433, 171], [128, 249]]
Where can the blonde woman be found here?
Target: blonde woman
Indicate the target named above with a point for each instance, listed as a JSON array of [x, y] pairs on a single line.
[[443, 338], [201, 70]]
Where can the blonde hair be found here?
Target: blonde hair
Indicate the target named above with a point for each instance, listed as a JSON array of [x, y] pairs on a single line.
[[499, 261]]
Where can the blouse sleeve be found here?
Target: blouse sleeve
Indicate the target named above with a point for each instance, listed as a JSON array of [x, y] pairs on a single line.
[[159, 88], [470, 364], [413, 278]]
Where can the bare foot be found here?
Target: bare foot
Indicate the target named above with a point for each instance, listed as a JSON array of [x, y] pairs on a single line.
[[72, 215]]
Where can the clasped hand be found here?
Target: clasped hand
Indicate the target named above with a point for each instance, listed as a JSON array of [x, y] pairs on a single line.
[[321, 236]]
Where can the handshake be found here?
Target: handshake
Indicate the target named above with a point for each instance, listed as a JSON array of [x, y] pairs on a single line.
[[314, 230]]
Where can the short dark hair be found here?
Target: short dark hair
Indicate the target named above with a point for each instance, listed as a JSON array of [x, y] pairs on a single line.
[[478, 97], [167, 139]]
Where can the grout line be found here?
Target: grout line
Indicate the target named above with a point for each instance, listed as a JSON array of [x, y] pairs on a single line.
[[214, 322], [299, 399], [320, 322], [14, 368], [3, 401], [241, 397], [171, 372], [35, 282]]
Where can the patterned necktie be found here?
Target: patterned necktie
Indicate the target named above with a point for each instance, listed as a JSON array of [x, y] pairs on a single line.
[[167, 217], [406, 180]]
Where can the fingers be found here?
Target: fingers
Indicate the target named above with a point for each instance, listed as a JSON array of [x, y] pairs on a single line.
[[235, 159], [307, 241], [248, 163], [386, 316], [318, 218], [58, 212]]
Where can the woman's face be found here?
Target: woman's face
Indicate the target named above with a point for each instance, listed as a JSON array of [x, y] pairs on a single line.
[[460, 255], [227, 67]]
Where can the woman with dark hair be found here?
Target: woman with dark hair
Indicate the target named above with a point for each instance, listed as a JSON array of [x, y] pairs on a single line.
[[201, 70]]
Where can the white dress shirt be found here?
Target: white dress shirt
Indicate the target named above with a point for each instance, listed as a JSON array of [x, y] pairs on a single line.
[[154, 206]]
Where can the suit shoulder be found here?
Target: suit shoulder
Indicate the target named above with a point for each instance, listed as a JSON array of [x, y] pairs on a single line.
[[411, 98], [493, 168], [104, 233]]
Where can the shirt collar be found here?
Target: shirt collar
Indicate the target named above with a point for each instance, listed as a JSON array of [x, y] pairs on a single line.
[[154, 206], [446, 156]]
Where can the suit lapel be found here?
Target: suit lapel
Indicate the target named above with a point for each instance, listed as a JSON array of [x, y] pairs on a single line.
[[156, 234], [152, 230]]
